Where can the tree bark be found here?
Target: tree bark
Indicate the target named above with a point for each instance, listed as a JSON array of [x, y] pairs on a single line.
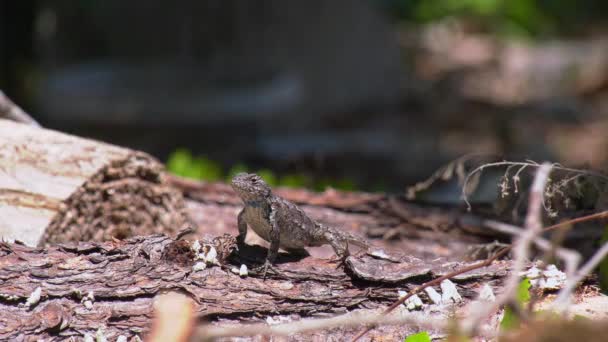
[[56, 187], [120, 279]]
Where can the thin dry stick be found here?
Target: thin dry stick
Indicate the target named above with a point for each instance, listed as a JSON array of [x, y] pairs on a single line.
[[567, 223], [563, 298], [213, 332]]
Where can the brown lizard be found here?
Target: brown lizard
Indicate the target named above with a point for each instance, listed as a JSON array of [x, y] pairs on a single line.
[[283, 224]]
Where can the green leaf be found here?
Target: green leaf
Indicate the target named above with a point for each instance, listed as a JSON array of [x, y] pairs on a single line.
[[510, 320], [523, 293], [180, 162], [419, 337], [207, 169]]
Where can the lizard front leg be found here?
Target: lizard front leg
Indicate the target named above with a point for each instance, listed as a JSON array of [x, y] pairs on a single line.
[[240, 239], [275, 239]]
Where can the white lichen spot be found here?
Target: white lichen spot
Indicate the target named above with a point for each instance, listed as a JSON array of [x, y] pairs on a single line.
[[8, 297], [449, 292], [122, 338], [278, 320], [196, 247], [100, 335], [271, 321], [209, 255], [234, 270], [88, 338], [287, 285], [486, 293], [34, 297], [199, 266], [551, 278], [137, 338], [88, 300], [243, 272], [412, 303], [433, 295]]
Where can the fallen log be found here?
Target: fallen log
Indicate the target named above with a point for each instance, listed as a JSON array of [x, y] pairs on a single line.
[[56, 187], [73, 289]]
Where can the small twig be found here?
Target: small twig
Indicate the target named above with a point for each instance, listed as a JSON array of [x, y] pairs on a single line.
[[567, 223], [9, 110], [521, 246], [563, 297]]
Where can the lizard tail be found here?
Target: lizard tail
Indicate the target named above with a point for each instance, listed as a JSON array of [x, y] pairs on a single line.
[[352, 239]]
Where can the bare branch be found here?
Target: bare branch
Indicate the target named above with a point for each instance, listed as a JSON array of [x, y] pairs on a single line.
[[521, 247], [570, 257], [348, 320], [563, 298]]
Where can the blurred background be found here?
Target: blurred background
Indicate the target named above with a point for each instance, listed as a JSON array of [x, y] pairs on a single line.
[[356, 94]]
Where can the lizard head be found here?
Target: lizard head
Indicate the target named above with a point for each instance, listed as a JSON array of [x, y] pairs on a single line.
[[250, 187]]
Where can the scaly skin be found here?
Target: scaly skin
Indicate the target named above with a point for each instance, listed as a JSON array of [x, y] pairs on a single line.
[[282, 223]]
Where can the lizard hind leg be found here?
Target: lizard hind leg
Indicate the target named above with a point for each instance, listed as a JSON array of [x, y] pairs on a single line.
[[339, 245]]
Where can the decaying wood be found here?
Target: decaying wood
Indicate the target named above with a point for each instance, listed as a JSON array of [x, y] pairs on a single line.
[[120, 280], [56, 187]]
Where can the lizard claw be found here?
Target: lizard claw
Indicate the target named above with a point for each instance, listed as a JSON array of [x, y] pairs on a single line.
[[341, 261], [264, 269]]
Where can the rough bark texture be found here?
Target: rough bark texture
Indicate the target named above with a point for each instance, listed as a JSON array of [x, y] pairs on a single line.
[[125, 276], [55, 187]]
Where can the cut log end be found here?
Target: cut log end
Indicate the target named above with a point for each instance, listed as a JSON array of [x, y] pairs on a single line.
[[124, 199], [56, 188]]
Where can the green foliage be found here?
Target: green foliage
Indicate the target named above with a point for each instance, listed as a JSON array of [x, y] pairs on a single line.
[[295, 181], [527, 18], [419, 337], [180, 163], [234, 170], [603, 267], [268, 176], [344, 184], [510, 319], [183, 163], [514, 17]]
